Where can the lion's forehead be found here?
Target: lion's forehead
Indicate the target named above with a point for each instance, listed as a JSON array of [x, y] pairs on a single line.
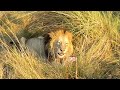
[[63, 39]]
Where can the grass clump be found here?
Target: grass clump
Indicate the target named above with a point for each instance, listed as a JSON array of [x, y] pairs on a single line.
[[96, 44]]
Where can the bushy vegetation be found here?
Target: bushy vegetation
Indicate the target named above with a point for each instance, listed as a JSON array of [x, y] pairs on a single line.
[[96, 44]]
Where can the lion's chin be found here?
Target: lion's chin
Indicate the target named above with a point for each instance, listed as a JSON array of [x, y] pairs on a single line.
[[60, 55]]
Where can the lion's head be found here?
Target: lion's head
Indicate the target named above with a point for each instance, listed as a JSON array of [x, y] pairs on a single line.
[[60, 44]]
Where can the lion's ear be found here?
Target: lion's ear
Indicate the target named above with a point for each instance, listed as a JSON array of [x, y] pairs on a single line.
[[51, 34], [69, 35], [47, 37]]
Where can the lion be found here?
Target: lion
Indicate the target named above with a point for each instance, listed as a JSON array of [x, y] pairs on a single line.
[[54, 46], [34, 45], [58, 46]]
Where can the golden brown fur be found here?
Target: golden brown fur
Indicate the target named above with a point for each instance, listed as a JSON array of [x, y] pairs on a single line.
[[59, 45], [55, 46]]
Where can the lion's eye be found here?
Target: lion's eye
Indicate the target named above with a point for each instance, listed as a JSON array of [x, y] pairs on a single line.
[[66, 43], [58, 42]]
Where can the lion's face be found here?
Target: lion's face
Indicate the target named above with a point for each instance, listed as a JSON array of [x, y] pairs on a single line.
[[61, 44]]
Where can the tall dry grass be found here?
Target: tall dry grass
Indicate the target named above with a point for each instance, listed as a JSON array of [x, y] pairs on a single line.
[[96, 44]]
